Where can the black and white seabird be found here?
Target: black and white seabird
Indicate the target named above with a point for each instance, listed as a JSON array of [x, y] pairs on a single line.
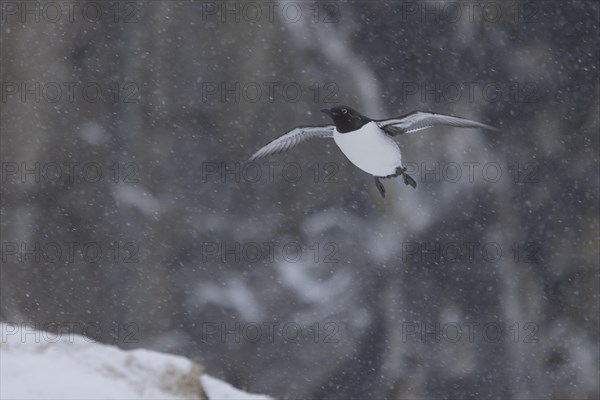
[[366, 142]]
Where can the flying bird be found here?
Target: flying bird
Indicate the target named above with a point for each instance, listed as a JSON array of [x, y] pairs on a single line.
[[366, 142]]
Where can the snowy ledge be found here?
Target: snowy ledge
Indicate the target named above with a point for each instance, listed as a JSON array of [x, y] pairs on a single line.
[[74, 367]]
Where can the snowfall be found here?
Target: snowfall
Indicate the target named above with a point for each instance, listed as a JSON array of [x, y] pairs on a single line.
[[44, 365]]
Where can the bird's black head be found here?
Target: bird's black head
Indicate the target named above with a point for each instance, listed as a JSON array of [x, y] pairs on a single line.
[[346, 119]]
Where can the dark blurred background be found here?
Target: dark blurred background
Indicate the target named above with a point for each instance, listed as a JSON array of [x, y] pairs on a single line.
[[126, 206]]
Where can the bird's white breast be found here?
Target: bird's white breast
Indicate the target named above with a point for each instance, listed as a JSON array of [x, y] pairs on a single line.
[[370, 150]]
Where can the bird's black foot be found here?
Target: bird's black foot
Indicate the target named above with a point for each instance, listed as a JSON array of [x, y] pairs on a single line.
[[380, 187], [408, 180]]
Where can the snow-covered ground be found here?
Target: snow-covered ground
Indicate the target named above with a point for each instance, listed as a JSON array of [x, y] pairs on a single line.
[[67, 366]]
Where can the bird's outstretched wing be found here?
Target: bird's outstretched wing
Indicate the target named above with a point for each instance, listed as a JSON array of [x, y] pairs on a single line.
[[292, 139], [419, 120]]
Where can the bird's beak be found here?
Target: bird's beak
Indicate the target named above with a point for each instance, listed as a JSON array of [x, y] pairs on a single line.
[[326, 111]]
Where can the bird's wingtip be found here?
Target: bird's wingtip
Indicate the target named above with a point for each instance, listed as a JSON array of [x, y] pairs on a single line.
[[492, 128]]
